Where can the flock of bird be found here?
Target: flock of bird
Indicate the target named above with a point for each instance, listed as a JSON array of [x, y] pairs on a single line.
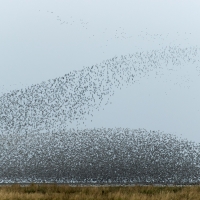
[[116, 33], [99, 156], [37, 143], [55, 104], [70, 21]]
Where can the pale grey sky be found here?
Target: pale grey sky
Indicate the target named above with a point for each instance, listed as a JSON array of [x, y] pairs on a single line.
[[41, 40]]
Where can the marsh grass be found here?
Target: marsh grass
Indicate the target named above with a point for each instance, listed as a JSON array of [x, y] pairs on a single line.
[[61, 192]]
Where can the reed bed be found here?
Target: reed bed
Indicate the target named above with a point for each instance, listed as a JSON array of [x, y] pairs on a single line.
[[62, 192]]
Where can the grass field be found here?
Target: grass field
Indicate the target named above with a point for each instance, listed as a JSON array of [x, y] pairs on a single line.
[[61, 192]]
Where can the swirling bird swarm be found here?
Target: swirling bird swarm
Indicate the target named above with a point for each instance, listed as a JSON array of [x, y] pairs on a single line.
[[54, 104], [37, 145], [99, 156]]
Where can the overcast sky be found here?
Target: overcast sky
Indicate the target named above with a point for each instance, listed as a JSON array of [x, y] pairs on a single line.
[[41, 40]]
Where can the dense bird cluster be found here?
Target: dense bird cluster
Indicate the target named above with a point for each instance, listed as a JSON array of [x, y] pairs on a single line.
[[55, 104], [99, 156], [37, 145]]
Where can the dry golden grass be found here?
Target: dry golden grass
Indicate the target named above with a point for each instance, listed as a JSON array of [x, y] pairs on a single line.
[[61, 192]]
